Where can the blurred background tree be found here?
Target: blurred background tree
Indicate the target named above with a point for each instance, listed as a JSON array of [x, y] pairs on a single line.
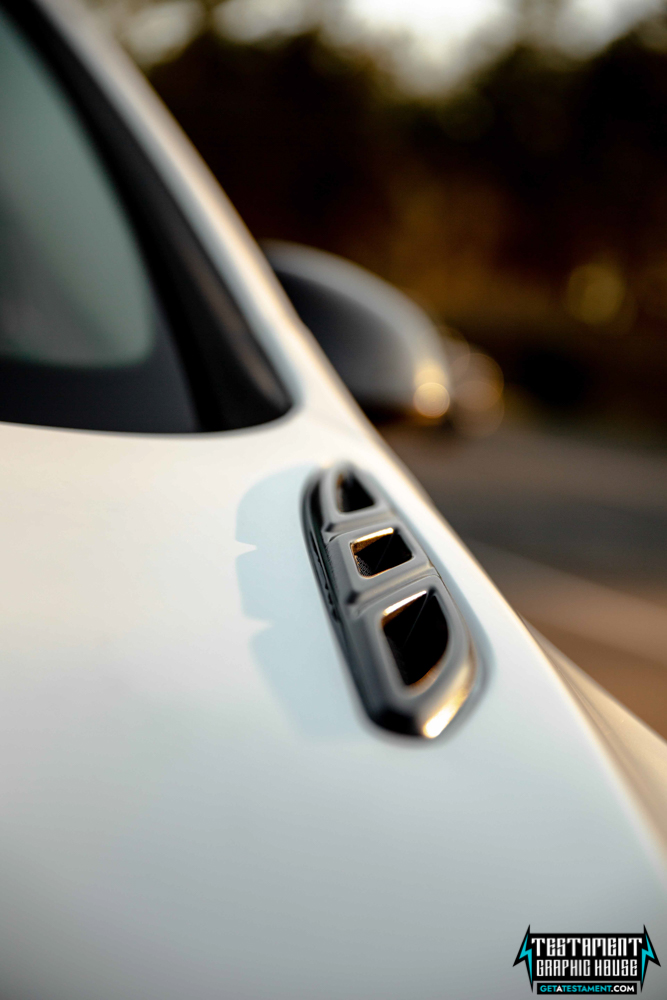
[[506, 166]]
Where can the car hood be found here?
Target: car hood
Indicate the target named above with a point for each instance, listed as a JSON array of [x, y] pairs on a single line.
[[193, 801]]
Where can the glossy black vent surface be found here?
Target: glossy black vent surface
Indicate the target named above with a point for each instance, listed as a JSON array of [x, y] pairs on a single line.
[[350, 494], [417, 635], [405, 642], [381, 552]]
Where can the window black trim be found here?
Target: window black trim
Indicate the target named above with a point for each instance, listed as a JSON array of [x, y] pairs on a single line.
[[233, 382]]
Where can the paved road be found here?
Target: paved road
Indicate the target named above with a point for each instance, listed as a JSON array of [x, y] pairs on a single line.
[[575, 535]]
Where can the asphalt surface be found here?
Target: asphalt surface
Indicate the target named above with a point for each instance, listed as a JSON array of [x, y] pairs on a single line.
[[574, 533]]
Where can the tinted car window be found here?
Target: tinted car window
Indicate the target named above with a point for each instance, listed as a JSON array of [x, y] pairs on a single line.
[[111, 315], [82, 341]]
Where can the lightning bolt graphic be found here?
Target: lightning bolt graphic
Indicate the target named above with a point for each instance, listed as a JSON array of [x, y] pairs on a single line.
[[526, 955], [648, 955]]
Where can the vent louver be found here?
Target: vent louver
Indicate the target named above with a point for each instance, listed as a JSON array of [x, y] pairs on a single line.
[[351, 495], [417, 634], [379, 552], [407, 645]]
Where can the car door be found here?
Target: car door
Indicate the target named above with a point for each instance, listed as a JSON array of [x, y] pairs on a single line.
[[195, 799]]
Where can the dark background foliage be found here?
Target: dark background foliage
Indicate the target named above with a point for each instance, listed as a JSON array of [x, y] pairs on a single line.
[[483, 203]]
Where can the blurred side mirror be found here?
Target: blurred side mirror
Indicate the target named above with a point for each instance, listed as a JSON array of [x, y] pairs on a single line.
[[384, 347]]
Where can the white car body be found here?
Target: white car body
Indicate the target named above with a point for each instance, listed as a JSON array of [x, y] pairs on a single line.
[[194, 803]]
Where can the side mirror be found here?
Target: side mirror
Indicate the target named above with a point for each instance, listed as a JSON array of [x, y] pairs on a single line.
[[384, 347]]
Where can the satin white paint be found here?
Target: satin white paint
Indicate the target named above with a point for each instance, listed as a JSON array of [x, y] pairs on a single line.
[[193, 803]]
